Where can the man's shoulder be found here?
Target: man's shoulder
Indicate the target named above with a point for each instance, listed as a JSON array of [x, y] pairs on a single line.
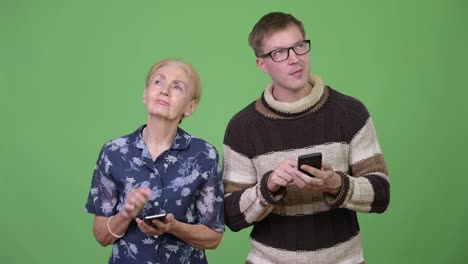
[[350, 112], [240, 128], [347, 103], [244, 116], [341, 97]]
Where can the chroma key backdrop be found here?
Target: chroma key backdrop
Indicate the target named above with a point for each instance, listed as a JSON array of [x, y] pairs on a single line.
[[72, 75]]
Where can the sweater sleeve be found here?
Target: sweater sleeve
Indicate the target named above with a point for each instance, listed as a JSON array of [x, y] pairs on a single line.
[[366, 186], [247, 198]]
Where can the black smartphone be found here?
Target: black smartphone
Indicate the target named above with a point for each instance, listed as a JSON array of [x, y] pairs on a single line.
[[149, 218], [313, 159]]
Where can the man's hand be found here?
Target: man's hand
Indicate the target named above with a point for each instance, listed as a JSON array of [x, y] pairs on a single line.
[[325, 180], [282, 175]]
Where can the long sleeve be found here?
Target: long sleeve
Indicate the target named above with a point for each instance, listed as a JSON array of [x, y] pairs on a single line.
[[366, 186], [247, 198]]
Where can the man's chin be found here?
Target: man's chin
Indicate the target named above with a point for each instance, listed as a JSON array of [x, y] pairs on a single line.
[[299, 84]]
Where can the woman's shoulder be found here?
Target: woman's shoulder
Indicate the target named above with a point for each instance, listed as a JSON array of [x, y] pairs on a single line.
[[122, 143], [202, 144], [194, 141]]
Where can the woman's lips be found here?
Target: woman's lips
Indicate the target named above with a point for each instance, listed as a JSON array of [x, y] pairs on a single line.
[[162, 102]]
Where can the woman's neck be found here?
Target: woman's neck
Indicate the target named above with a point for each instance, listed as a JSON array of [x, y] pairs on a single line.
[[158, 135]]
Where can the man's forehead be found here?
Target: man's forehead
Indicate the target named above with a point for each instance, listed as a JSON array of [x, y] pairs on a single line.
[[282, 38]]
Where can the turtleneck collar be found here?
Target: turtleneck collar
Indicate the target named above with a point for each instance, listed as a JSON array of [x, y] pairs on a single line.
[[298, 107]]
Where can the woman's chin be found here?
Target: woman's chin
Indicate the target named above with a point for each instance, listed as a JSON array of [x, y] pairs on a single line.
[[163, 116]]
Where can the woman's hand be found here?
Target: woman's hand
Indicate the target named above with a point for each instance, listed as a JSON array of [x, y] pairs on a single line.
[[157, 227], [135, 200], [196, 235]]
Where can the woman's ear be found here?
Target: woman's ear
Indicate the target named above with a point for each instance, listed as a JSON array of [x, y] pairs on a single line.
[[191, 108], [144, 96]]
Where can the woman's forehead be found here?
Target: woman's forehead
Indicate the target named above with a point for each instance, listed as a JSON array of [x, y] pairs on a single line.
[[173, 71]]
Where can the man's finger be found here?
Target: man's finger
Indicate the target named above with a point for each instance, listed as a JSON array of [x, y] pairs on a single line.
[[326, 166]]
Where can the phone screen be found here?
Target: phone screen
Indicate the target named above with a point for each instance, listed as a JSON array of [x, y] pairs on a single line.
[[150, 218], [313, 159]]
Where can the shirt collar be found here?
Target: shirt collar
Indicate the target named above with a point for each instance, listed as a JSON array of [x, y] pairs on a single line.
[[181, 140]]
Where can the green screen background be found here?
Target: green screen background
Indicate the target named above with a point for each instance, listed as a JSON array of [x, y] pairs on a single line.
[[72, 74]]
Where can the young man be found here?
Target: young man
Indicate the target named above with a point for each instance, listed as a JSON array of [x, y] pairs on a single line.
[[297, 218]]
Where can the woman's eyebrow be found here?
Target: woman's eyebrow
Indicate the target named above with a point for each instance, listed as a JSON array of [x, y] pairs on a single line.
[[180, 82]]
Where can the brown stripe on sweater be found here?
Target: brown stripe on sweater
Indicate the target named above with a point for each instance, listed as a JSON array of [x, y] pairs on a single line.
[[334, 154], [234, 219], [349, 251], [308, 232], [381, 193], [301, 209], [234, 186], [375, 163], [300, 202], [298, 196]]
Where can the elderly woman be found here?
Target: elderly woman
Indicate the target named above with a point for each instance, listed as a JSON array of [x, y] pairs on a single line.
[[159, 169]]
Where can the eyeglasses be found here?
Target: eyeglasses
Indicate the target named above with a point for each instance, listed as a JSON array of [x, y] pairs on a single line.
[[282, 54]]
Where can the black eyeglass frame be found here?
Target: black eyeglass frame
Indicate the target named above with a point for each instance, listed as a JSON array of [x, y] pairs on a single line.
[[287, 49]]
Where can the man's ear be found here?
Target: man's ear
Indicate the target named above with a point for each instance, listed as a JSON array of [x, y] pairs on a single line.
[[261, 65]]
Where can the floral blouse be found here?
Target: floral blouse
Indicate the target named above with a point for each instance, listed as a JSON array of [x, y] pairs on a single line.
[[185, 180]]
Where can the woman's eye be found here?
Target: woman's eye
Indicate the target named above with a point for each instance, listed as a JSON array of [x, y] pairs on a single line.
[[157, 82], [178, 86]]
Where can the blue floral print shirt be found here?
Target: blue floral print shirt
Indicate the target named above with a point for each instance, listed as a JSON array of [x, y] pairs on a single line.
[[185, 180]]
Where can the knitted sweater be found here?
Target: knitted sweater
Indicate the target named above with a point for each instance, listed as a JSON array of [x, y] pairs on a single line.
[[294, 225]]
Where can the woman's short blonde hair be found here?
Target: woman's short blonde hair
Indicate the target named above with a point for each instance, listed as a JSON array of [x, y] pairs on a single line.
[[187, 67]]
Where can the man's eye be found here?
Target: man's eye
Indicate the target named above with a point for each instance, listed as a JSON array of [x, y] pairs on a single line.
[[300, 45], [278, 52]]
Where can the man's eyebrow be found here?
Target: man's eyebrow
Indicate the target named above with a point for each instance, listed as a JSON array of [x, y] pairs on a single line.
[[294, 44]]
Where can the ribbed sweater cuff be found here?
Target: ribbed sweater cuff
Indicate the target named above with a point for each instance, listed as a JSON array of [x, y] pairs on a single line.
[[268, 196], [335, 201]]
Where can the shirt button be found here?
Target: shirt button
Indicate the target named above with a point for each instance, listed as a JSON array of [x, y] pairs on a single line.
[[156, 203]]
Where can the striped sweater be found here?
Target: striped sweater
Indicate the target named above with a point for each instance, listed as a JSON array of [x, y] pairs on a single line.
[[294, 225]]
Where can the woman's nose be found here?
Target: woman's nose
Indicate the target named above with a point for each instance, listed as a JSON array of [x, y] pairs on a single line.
[[164, 90]]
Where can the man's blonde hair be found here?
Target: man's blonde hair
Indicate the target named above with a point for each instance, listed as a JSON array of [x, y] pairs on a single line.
[[268, 25]]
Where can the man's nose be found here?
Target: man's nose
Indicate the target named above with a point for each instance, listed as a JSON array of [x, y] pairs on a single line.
[[293, 57]]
